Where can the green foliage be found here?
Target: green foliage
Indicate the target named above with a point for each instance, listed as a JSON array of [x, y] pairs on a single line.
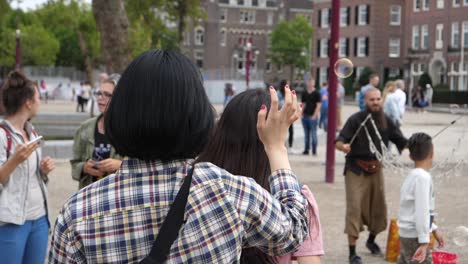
[[289, 40], [348, 83], [38, 46], [424, 80], [64, 19], [450, 97], [442, 87], [364, 77]]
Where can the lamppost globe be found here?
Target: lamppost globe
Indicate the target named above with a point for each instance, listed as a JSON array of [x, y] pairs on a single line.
[[18, 33], [235, 56], [303, 53], [257, 52], [248, 46]]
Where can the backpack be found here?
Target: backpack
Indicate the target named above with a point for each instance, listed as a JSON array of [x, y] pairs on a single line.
[[10, 140]]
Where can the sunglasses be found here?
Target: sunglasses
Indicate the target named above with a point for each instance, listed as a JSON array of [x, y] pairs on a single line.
[[104, 94]]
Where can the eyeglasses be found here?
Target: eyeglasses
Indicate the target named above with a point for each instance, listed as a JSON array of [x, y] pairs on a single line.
[[104, 94]]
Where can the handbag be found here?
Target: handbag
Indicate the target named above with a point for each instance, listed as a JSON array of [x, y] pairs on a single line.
[[369, 166], [171, 225]]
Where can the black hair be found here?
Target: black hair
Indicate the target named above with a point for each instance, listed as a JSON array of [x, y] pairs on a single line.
[[282, 86], [15, 91], [236, 147], [159, 109], [420, 146]]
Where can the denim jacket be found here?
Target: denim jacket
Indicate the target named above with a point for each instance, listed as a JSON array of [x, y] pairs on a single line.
[[83, 147], [14, 193]]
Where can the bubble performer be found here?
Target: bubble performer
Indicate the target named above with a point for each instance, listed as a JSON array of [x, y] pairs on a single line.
[[364, 142]]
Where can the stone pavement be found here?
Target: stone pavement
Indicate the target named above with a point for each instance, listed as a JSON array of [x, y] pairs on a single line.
[[450, 189]]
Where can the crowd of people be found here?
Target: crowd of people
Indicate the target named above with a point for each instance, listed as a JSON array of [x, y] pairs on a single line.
[[159, 178]]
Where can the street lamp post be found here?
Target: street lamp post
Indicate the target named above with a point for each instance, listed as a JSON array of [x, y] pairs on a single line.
[[332, 87], [248, 51], [18, 49]]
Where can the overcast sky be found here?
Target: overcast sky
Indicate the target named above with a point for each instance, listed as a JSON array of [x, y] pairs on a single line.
[[32, 4]]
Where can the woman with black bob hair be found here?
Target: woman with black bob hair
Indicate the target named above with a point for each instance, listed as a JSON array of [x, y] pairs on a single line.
[[160, 119], [236, 147]]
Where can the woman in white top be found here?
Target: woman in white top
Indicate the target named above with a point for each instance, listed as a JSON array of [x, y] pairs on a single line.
[[23, 175], [391, 107]]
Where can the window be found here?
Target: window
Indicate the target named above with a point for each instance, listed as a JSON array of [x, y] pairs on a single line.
[[240, 2], [223, 15], [456, 3], [424, 37], [199, 36], [323, 75], [465, 2], [254, 2], [440, 4], [223, 36], [325, 17], [393, 72], [425, 5], [439, 34], [268, 66], [415, 44], [343, 51], [465, 34], [455, 35], [362, 47], [394, 48], [343, 16], [199, 59], [324, 48], [416, 5], [270, 18], [363, 15], [280, 68], [395, 15], [247, 17]]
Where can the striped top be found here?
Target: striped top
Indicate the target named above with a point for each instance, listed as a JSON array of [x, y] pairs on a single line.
[[117, 219]]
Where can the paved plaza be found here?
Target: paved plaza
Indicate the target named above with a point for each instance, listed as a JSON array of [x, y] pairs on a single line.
[[451, 190]]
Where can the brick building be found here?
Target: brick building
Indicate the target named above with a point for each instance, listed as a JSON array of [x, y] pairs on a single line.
[[436, 32], [218, 44], [371, 34]]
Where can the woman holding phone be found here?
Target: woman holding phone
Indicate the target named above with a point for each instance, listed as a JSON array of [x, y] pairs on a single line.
[[23, 175], [93, 155]]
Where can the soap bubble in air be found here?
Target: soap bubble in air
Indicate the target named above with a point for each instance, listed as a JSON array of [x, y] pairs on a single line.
[[460, 236], [344, 68]]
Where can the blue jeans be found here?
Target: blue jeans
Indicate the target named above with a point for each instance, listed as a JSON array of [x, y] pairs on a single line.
[[25, 243], [323, 123], [310, 127]]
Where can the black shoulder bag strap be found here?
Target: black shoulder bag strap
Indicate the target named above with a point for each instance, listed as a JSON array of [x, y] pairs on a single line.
[[171, 225]]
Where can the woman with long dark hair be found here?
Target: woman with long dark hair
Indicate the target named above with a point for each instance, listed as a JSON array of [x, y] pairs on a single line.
[[24, 224], [160, 119], [236, 147]]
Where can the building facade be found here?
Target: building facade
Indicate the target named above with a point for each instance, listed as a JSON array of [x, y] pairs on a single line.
[[437, 41], [371, 35], [219, 44]]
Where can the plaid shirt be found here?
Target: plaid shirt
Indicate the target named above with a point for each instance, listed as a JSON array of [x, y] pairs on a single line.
[[116, 220]]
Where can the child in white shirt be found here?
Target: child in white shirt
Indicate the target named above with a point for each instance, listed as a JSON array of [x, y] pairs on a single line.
[[416, 217]]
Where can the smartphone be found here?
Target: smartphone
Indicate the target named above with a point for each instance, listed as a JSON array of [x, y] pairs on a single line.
[[34, 140]]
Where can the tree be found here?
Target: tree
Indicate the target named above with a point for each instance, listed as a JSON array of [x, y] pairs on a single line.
[[424, 80], [289, 41], [38, 46], [181, 10], [364, 77], [112, 23]]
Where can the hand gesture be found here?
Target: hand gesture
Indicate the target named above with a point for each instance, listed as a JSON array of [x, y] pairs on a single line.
[[47, 165], [109, 165], [273, 130], [420, 254], [23, 151], [440, 239], [91, 169]]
